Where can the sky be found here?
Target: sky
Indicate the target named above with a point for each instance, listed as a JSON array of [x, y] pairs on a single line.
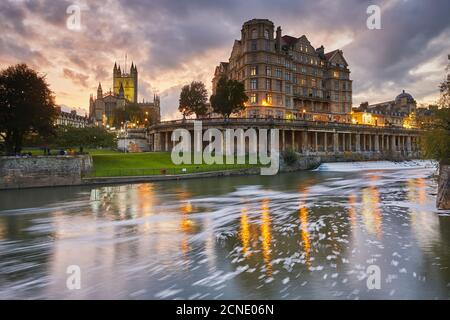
[[175, 42]]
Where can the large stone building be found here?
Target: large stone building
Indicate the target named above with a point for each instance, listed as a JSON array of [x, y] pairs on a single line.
[[399, 112], [286, 77], [71, 119], [124, 93]]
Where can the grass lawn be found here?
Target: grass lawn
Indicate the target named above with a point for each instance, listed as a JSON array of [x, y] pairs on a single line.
[[154, 163]]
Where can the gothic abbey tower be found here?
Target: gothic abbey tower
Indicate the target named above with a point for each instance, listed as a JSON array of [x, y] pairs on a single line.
[[128, 82], [123, 94]]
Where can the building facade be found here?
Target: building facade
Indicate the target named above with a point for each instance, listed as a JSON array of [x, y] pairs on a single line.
[[286, 77], [124, 93], [71, 119], [400, 112]]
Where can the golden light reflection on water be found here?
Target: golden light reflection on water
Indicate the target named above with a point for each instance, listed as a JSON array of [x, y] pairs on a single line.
[[244, 234], [416, 191], [305, 234], [266, 234], [371, 214], [186, 226], [306, 238], [424, 224]]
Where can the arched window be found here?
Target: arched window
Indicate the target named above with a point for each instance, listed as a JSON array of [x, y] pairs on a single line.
[[266, 34], [254, 34]]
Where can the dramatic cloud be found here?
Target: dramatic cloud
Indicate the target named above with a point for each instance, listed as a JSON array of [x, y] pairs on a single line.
[[176, 41]]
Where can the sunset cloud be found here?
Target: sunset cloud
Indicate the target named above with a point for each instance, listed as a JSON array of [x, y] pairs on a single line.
[[175, 42]]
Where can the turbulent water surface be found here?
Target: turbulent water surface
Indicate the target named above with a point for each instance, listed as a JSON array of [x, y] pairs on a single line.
[[306, 235]]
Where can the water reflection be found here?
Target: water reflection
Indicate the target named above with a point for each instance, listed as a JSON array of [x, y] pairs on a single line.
[[304, 228], [236, 239], [371, 213], [266, 234]]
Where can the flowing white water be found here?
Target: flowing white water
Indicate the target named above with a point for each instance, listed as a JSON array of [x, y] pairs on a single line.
[[375, 165]]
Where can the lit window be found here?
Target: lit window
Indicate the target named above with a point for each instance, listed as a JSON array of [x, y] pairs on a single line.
[[253, 71], [336, 74], [253, 98], [269, 98]]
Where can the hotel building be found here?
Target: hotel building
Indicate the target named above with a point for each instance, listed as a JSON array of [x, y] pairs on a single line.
[[286, 77]]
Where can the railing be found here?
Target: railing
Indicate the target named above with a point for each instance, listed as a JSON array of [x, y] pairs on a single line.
[[279, 121]]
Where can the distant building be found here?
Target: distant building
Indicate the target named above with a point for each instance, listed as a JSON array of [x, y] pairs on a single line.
[[124, 93], [286, 77], [399, 112], [71, 119]]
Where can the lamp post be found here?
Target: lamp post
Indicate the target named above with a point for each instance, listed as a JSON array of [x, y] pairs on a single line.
[[126, 137]]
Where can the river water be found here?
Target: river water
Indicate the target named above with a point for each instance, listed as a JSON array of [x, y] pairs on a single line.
[[305, 235]]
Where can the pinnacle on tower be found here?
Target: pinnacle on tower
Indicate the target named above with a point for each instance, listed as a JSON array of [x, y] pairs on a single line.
[[121, 91]]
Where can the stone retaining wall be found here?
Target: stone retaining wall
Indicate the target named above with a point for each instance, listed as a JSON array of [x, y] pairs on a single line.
[[43, 171]]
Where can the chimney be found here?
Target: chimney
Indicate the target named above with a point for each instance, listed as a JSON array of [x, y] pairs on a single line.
[[278, 39]]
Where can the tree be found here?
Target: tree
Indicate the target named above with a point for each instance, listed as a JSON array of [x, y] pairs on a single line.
[[229, 98], [193, 99], [436, 137], [26, 105], [90, 137], [132, 112]]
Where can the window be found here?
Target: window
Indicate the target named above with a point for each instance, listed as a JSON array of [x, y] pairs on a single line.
[[253, 98], [279, 100], [254, 84], [288, 76], [254, 34], [268, 84], [269, 98], [287, 89], [266, 34], [268, 71], [313, 82], [303, 82], [288, 102], [287, 64], [267, 45], [336, 85], [278, 86], [278, 73], [254, 45], [253, 71], [295, 79], [335, 74]]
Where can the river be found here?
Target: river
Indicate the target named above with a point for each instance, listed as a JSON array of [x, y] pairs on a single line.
[[305, 235]]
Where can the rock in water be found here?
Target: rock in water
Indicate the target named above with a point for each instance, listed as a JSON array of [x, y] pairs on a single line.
[[443, 197]]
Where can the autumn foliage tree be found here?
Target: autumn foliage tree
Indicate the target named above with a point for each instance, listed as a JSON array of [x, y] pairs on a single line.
[[436, 137], [27, 106]]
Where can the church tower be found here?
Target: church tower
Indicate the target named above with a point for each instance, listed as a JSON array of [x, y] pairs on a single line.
[[99, 92], [127, 81]]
